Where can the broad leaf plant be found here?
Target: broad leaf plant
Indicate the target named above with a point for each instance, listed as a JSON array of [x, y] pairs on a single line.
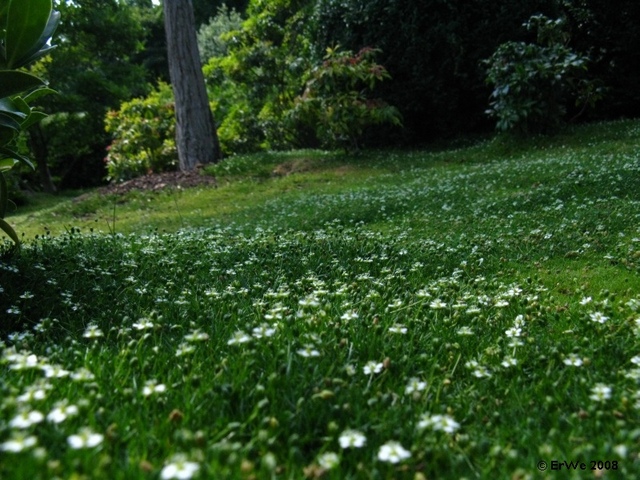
[[26, 27]]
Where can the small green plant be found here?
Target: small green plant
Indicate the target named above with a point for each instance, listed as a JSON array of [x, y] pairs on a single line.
[[26, 27], [334, 103], [533, 82], [143, 136]]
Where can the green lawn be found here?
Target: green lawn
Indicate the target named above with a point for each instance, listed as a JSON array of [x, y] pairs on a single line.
[[455, 313]]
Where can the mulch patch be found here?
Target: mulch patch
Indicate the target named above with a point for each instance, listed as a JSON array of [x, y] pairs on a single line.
[[160, 181]]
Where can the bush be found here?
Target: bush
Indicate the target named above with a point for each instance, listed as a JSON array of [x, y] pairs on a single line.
[[143, 133], [533, 82], [334, 103], [210, 36]]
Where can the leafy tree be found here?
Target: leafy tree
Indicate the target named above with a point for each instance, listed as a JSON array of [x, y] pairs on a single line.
[[256, 83], [196, 137], [92, 70], [26, 27]]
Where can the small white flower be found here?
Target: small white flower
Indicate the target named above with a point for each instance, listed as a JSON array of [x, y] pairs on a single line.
[[465, 331], [398, 328], [85, 439], [26, 418], [513, 332], [54, 371], [82, 375], [598, 317], [328, 460], [415, 385], [600, 392], [443, 423], [349, 316], [352, 439], [264, 330], [573, 360], [152, 386], [438, 304], [143, 324], [180, 469], [60, 413], [309, 350], [393, 452], [509, 362], [585, 300], [372, 367], [636, 360], [18, 442], [92, 331], [238, 338]]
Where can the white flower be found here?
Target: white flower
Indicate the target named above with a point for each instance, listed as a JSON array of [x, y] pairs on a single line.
[[636, 360], [26, 419], [82, 375], [152, 386], [509, 362], [180, 468], [600, 392], [23, 362], [143, 324], [264, 330], [465, 331], [438, 304], [513, 332], [573, 360], [196, 336], [349, 316], [598, 317], [352, 439], [372, 367], [309, 351], [92, 331], [393, 452], [54, 371], [443, 423], [328, 460], [398, 328], [18, 442], [85, 439], [61, 412], [238, 338], [585, 300], [415, 385]]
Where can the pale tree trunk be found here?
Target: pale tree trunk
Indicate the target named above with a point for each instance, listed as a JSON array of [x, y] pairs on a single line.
[[196, 137]]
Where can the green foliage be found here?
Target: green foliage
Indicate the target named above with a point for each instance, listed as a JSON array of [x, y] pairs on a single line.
[[255, 84], [25, 29], [143, 131], [334, 103], [533, 82], [94, 69], [210, 41]]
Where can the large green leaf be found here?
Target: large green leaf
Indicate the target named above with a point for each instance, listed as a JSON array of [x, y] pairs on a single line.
[[7, 164], [13, 83], [40, 48], [9, 121], [4, 226], [26, 23], [6, 152]]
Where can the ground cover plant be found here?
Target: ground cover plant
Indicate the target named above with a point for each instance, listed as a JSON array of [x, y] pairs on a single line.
[[455, 314]]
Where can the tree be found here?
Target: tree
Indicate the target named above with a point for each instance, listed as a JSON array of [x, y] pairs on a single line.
[[196, 137]]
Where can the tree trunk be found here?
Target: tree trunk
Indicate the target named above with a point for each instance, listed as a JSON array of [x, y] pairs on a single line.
[[196, 137]]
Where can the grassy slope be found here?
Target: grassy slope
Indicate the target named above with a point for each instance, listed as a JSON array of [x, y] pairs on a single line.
[[497, 232]]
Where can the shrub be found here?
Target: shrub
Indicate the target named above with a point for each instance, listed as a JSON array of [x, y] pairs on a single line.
[[334, 102], [143, 133], [210, 36], [533, 82]]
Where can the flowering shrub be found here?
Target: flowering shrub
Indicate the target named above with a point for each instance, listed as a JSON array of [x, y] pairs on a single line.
[[334, 103], [143, 136]]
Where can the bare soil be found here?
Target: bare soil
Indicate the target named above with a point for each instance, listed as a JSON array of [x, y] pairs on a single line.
[[160, 181]]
